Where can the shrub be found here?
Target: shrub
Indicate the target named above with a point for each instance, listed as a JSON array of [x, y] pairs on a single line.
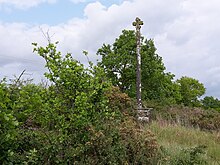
[[8, 126]]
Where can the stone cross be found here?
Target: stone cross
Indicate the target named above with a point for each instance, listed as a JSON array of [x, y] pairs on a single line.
[[137, 25]]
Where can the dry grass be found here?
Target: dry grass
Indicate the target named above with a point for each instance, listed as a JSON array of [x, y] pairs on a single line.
[[176, 137]]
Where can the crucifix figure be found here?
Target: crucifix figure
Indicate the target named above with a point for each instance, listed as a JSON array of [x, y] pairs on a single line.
[[137, 25]]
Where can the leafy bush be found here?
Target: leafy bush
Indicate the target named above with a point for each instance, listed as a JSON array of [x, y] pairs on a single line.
[[8, 126]]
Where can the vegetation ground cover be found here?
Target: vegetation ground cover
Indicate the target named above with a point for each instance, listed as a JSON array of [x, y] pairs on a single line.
[[175, 138], [86, 115]]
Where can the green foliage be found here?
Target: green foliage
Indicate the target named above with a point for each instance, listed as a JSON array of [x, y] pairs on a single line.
[[80, 118], [119, 62], [54, 120], [119, 59], [190, 89], [8, 125], [76, 89], [77, 119], [74, 103], [156, 84], [209, 102]]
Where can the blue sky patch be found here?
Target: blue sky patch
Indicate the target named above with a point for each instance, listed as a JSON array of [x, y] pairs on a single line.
[[50, 14]]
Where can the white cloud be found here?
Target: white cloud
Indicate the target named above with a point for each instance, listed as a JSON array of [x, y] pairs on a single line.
[[22, 4], [16, 50], [189, 44], [186, 34]]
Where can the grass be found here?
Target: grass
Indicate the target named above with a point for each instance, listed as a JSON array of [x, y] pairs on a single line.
[[176, 138]]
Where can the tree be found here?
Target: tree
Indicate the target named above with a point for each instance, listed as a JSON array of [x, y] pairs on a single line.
[[190, 89], [119, 62], [209, 102]]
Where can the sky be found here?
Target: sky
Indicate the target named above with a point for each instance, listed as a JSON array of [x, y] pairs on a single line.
[[186, 33]]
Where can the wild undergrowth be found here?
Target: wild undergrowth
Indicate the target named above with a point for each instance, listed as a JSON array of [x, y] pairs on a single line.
[[80, 118]]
